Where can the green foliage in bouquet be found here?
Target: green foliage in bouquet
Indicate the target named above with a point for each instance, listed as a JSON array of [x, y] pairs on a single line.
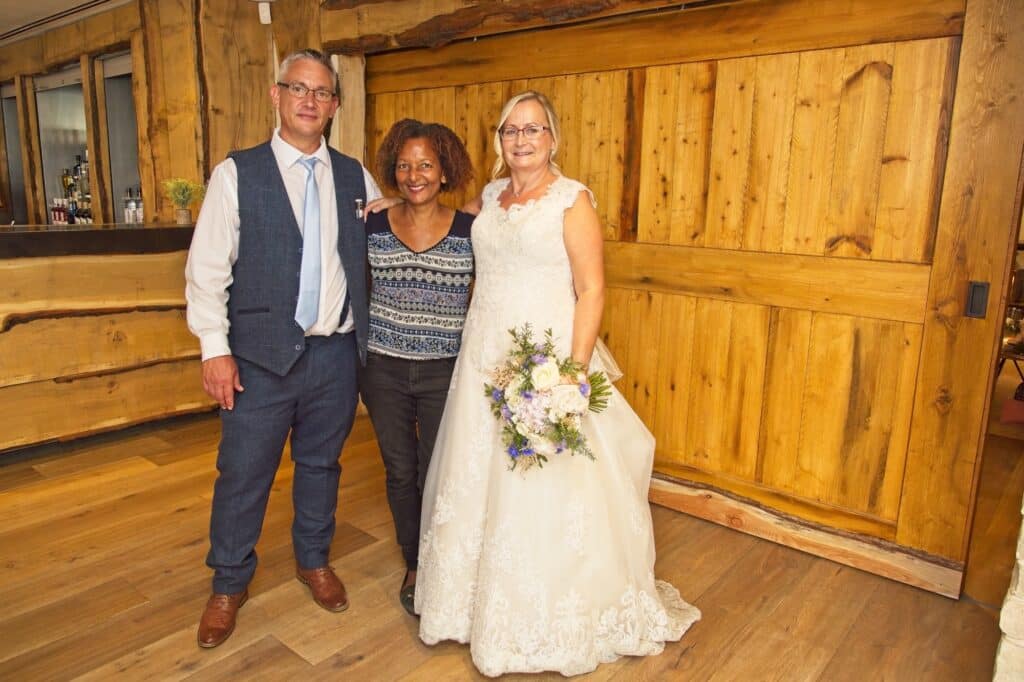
[[540, 399]]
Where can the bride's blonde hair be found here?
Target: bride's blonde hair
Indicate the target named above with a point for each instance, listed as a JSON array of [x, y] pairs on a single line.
[[553, 127]]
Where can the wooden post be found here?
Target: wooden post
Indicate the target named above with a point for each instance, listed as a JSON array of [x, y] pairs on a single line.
[[977, 230], [31, 155], [105, 202], [94, 100], [348, 133], [6, 202], [142, 94]]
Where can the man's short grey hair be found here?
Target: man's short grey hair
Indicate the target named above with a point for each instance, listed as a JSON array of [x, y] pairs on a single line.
[[316, 56]]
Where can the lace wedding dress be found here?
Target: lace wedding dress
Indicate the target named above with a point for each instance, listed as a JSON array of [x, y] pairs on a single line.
[[553, 568]]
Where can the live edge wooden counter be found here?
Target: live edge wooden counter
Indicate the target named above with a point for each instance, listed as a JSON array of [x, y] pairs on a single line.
[[92, 331]]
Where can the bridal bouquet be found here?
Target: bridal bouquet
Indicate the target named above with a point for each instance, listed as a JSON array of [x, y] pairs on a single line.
[[540, 400]]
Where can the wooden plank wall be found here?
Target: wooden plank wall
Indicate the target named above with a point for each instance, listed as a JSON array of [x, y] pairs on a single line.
[[771, 185], [793, 345], [117, 349], [237, 68]]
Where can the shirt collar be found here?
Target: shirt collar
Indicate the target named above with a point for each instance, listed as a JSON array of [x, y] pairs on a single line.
[[289, 155]]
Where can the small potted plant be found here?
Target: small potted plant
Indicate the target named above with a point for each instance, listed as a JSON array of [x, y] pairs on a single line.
[[183, 193]]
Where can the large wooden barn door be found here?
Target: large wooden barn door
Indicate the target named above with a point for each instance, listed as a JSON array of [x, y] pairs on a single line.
[[785, 258]]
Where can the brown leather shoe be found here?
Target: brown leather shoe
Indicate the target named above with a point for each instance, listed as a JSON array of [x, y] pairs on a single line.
[[218, 621], [328, 592]]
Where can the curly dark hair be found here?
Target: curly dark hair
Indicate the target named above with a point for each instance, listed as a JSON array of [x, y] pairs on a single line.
[[451, 152]]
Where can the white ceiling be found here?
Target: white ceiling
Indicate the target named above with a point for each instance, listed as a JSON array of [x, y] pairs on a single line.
[[22, 18]]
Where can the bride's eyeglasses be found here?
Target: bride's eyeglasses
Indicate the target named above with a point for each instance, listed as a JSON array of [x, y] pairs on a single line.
[[530, 132]]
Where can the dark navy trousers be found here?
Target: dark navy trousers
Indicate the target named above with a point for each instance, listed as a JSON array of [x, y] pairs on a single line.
[[316, 402]]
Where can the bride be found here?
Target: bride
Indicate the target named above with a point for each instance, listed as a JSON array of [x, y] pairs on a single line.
[[552, 568]]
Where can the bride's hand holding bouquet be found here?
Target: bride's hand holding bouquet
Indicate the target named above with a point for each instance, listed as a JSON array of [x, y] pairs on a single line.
[[541, 399]]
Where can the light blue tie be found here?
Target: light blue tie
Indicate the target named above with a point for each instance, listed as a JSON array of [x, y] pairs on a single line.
[[308, 307]]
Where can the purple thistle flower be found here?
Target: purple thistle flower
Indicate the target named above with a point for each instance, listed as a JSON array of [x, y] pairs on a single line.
[[506, 413], [512, 451], [539, 358], [497, 394], [585, 390], [528, 395]]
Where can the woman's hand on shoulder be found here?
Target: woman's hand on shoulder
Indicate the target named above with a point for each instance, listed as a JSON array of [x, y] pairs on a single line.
[[382, 204], [474, 206]]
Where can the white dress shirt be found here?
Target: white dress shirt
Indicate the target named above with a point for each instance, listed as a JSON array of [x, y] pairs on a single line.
[[214, 247]]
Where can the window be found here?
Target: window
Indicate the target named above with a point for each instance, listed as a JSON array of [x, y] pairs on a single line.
[[122, 132], [62, 140]]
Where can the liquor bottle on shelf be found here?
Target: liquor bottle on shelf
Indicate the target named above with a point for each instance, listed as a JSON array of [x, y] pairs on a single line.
[[66, 182], [129, 207], [139, 213], [84, 210], [84, 179], [72, 212]]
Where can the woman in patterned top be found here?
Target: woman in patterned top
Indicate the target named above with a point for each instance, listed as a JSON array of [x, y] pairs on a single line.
[[421, 265]]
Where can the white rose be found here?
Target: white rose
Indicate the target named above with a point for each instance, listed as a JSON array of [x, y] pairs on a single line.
[[567, 399], [542, 446], [545, 376], [514, 400], [514, 385]]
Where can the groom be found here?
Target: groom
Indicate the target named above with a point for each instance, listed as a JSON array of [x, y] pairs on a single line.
[[276, 291]]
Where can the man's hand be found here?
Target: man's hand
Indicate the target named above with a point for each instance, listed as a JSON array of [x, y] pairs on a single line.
[[382, 204], [220, 380]]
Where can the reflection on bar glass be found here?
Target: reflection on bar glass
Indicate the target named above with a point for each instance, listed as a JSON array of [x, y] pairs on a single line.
[[123, 139], [61, 111]]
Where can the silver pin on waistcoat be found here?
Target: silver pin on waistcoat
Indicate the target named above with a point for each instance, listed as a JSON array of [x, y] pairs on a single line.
[[359, 208]]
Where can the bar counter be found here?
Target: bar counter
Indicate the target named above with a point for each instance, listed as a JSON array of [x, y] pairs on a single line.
[[27, 241], [92, 330]]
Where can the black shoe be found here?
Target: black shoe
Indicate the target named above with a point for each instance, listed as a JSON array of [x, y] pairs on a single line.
[[407, 596]]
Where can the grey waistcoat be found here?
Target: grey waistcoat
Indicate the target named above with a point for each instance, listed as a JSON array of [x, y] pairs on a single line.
[[265, 287]]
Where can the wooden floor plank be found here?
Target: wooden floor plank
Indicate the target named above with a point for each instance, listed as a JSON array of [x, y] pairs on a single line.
[[997, 521], [50, 499], [51, 573], [115, 528], [806, 628], [88, 458], [176, 656], [81, 611], [895, 637], [735, 610], [267, 659], [15, 478]]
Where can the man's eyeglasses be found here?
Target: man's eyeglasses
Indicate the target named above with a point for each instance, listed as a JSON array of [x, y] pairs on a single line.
[[530, 132], [299, 91]]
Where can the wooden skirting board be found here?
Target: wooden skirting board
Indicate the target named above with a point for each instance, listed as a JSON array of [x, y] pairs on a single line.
[[875, 556]]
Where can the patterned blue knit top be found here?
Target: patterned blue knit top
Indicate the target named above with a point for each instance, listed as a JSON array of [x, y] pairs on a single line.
[[418, 299]]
